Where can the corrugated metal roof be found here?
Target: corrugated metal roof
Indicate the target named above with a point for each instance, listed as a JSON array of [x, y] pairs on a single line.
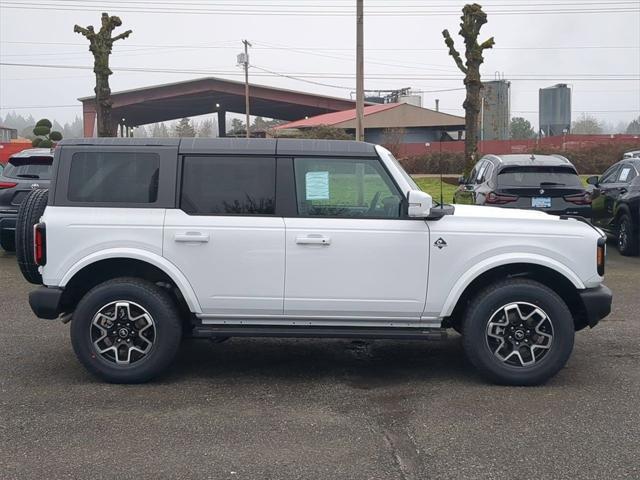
[[388, 115], [336, 117]]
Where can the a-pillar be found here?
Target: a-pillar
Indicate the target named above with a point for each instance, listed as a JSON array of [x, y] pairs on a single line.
[[222, 123]]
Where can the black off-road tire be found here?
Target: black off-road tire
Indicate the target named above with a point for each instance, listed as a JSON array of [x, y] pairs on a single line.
[[8, 241], [159, 305], [627, 237], [491, 300], [29, 213]]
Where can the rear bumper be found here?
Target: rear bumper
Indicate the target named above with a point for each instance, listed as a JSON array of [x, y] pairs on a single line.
[[8, 222], [46, 302], [597, 303]]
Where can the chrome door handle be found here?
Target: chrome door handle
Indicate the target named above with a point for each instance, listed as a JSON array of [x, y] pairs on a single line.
[[191, 237], [313, 240]]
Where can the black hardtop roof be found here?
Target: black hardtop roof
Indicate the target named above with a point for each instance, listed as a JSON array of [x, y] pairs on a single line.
[[247, 146]]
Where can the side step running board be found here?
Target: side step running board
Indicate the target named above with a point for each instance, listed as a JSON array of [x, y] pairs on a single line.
[[211, 331]]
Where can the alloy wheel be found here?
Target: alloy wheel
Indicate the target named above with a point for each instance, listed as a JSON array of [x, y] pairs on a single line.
[[123, 332], [519, 334]]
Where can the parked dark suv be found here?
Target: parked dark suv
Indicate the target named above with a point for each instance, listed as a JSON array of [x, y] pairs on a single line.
[[616, 204], [23, 172], [549, 183]]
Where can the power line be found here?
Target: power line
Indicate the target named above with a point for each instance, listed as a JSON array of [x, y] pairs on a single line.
[[8, 4], [326, 49], [339, 75]]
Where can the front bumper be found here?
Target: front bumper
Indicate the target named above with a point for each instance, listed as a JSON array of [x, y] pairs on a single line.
[[46, 302], [597, 303]]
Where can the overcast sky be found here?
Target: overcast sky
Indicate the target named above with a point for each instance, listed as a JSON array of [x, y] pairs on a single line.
[[596, 50]]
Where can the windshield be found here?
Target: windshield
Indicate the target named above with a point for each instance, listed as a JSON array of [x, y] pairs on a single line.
[[37, 168], [388, 155], [536, 176]]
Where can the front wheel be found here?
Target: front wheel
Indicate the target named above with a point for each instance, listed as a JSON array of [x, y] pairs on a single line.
[[518, 332], [126, 330]]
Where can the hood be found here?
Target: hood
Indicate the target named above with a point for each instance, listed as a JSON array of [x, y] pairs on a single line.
[[479, 211]]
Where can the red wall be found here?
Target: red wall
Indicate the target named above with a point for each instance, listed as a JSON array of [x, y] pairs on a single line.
[[8, 149], [571, 142]]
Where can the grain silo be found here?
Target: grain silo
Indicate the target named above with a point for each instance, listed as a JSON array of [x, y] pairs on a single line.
[[495, 111], [555, 110]]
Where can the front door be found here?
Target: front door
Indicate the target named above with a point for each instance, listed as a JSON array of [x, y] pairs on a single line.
[[350, 252], [603, 198], [226, 238]]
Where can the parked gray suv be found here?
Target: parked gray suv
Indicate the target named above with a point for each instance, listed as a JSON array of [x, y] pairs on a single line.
[[25, 171], [549, 183]]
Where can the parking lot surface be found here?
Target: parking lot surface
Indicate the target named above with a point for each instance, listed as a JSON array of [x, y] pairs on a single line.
[[315, 409]]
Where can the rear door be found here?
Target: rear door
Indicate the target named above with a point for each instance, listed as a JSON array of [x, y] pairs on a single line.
[[351, 254], [225, 236]]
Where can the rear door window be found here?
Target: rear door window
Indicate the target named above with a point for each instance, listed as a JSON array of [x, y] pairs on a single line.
[[534, 176], [35, 168], [114, 177], [228, 186]]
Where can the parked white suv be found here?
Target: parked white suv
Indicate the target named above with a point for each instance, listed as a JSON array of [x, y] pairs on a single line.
[[146, 241]]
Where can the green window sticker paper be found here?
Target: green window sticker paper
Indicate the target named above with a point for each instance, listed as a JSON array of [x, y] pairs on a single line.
[[317, 185]]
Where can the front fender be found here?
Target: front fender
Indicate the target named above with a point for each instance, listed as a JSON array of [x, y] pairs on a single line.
[[501, 260], [156, 260]]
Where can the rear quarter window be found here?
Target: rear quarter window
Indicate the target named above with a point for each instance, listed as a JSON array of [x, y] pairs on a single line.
[[533, 176], [114, 177]]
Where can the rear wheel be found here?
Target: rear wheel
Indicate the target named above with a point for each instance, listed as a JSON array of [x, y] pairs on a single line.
[[29, 213], [627, 238], [518, 332], [126, 330]]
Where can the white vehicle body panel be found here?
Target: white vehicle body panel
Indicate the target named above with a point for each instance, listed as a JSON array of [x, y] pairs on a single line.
[[479, 239], [234, 263], [79, 236], [366, 268]]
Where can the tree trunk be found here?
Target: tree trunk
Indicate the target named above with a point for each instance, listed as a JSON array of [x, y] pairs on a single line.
[[471, 106], [106, 126]]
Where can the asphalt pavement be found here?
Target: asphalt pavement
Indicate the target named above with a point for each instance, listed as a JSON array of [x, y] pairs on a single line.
[[319, 409]]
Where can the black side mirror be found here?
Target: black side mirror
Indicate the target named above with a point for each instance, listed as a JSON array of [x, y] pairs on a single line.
[[593, 180], [462, 180]]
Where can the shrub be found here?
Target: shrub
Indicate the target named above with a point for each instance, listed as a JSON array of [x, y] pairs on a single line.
[[587, 160]]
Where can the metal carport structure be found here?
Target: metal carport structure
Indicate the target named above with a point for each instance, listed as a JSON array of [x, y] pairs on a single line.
[[170, 101]]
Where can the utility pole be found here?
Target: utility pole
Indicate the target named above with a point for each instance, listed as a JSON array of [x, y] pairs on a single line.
[[359, 70], [244, 61]]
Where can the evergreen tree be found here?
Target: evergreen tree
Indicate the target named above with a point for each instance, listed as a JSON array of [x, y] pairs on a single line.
[[521, 129], [237, 126], [184, 128], [634, 126]]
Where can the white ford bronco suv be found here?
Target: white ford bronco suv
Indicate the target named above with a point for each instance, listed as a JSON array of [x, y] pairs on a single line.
[[140, 243]]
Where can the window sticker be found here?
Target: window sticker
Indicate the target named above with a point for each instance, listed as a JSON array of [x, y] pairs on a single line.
[[624, 174], [317, 185]]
